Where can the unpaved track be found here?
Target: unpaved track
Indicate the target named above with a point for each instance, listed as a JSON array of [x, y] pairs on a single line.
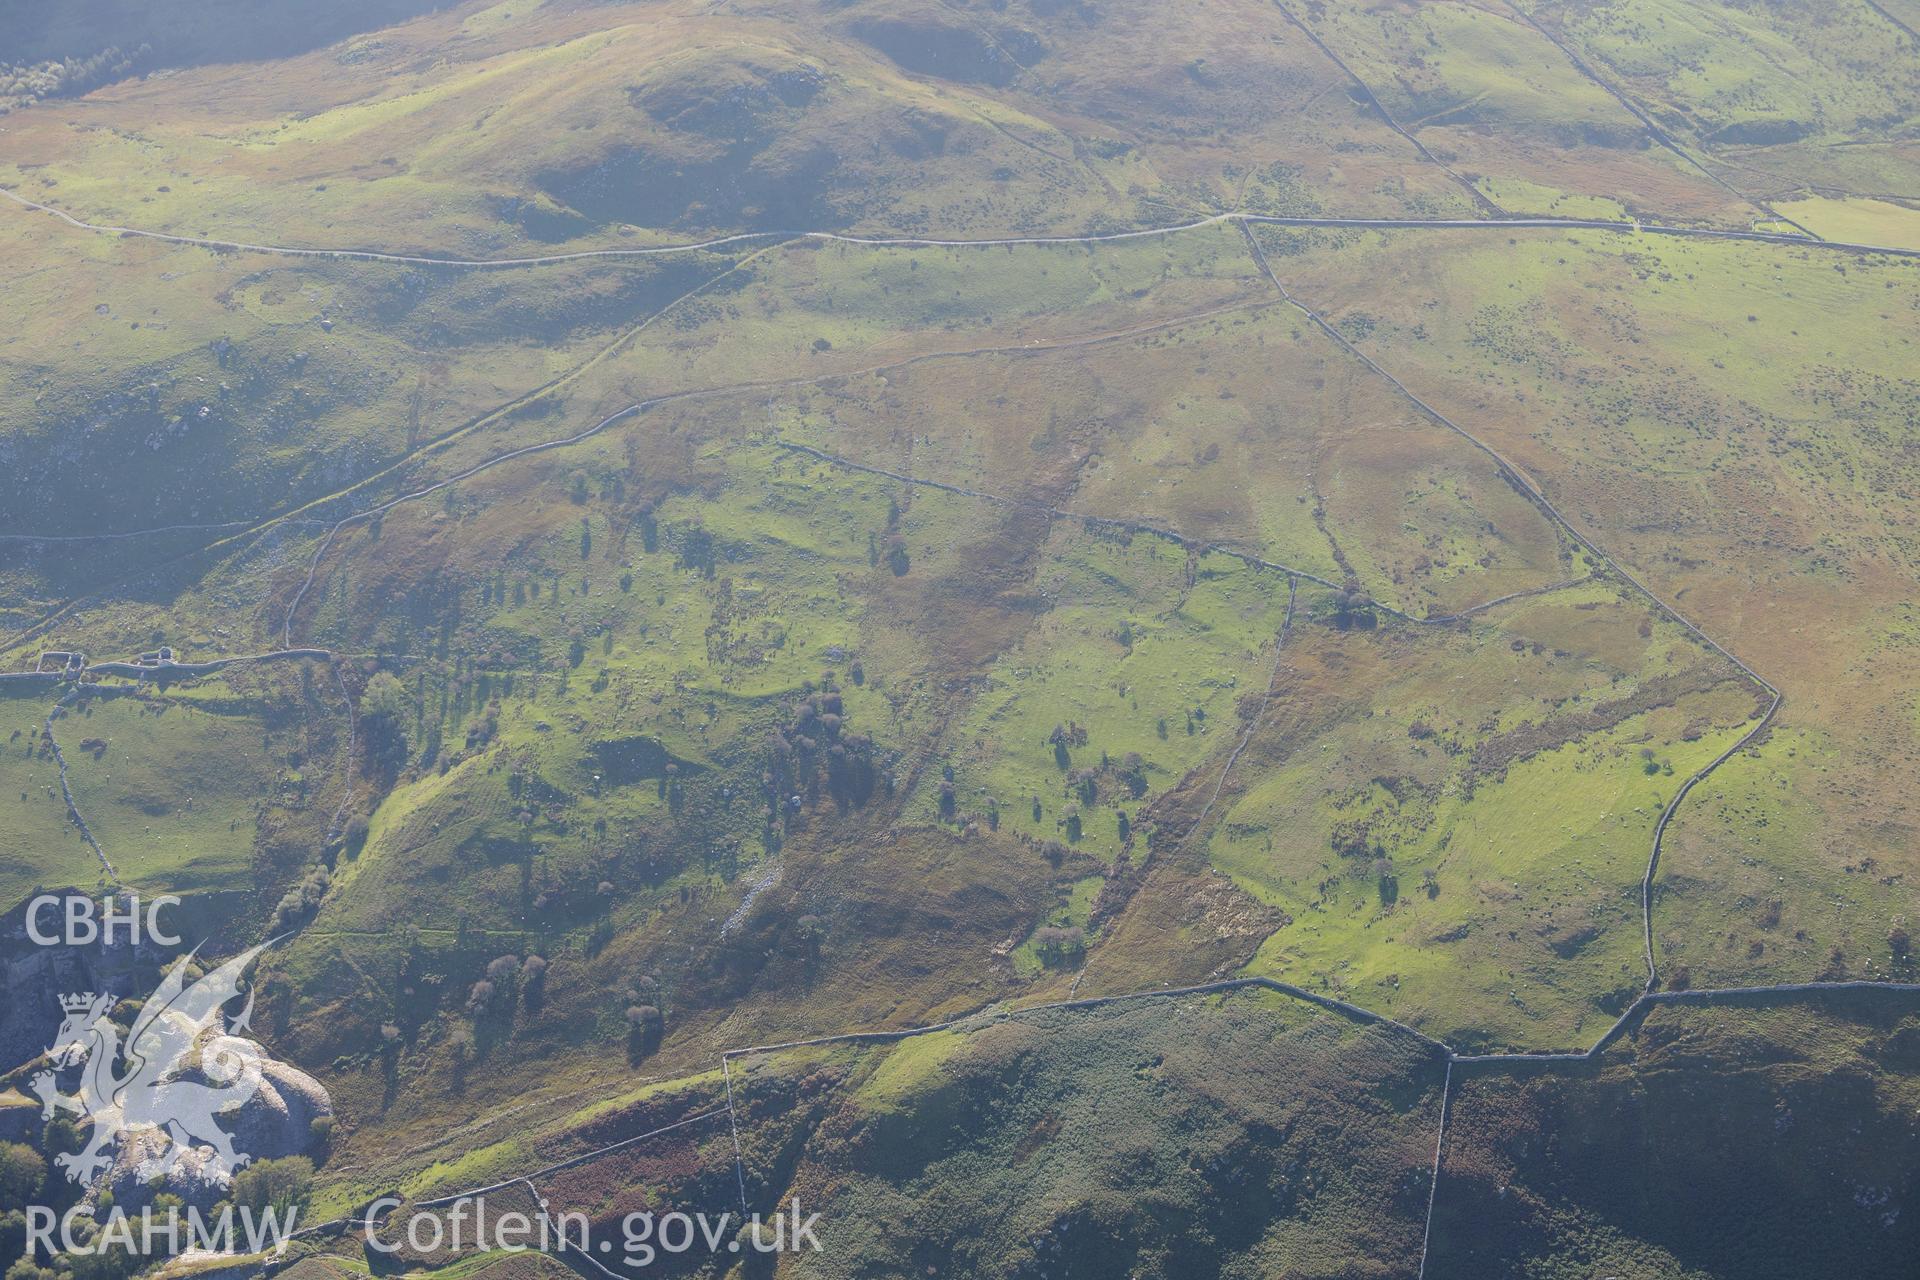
[[1500, 224]]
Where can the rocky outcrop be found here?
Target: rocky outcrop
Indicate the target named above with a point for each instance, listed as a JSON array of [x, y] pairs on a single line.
[[146, 1165], [273, 1117], [277, 1119], [34, 977]]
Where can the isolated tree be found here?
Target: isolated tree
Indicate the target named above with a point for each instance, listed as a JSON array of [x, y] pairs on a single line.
[[303, 899], [534, 984], [273, 1184], [1056, 944], [644, 1027], [384, 714], [502, 969]]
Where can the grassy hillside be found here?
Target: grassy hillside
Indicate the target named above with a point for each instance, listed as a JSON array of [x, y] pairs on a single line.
[[1729, 423], [1661, 1162], [736, 607]]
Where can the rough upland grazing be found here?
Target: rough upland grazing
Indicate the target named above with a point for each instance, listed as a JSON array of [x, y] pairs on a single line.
[[1133, 638]]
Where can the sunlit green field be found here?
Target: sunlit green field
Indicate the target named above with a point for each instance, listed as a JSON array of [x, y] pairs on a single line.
[[781, 615]]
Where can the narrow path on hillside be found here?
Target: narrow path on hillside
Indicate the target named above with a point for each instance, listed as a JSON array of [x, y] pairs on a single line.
[[297, 515], [129, 533], [1649, 999], [1507, 470], [1242, 220], [363, 1216], [236, 541]]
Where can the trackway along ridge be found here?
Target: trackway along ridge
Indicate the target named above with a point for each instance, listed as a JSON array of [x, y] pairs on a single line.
[[1650, 997]]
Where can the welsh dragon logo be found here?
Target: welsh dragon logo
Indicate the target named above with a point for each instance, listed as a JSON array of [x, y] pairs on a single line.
[[179, 1067]]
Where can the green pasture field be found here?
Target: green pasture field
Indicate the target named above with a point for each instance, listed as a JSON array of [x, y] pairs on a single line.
[[1725, 422], [886, 667], [42, 847]]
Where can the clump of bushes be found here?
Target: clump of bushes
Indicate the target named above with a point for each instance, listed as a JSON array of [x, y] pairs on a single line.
[[1060, 944], [298, 904]]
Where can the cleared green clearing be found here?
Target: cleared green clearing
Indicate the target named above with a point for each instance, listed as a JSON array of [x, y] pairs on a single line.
[[704, 1083], [1522, 196], [1858, 219], [175, 790], [481, 1166], [1750, 892], [39, 847], [1559, 901], [1780, 72], [1144, 662], [866, 302], [1816, 350], [1776, 98], [211, 787], [1460, 837], [1074, 912], [1496, 101], [1434, 61]]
